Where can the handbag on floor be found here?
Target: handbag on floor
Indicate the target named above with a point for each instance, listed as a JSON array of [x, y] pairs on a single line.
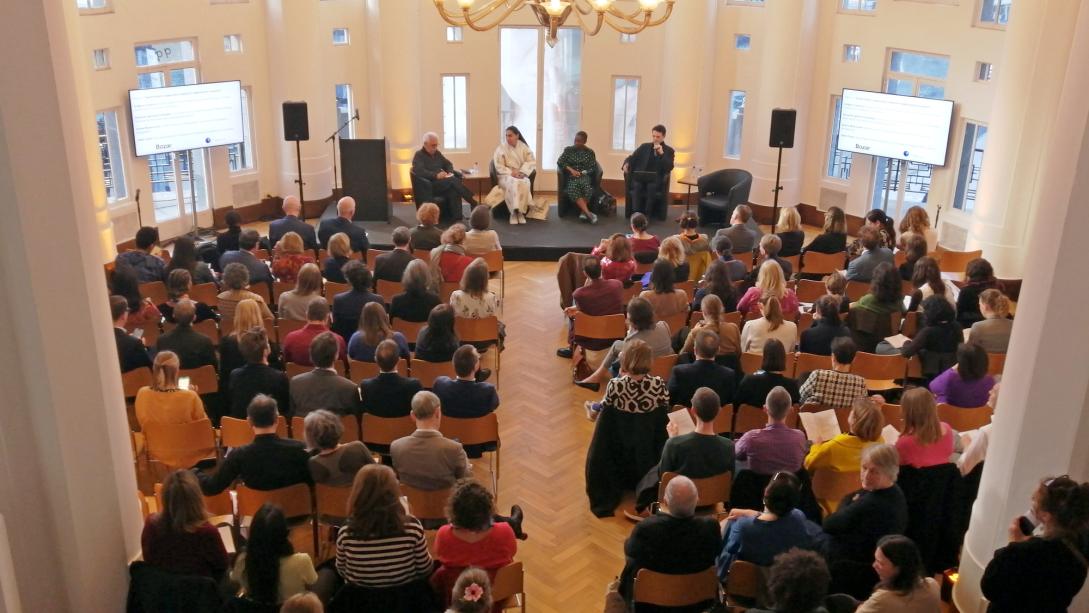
[[603, 203]]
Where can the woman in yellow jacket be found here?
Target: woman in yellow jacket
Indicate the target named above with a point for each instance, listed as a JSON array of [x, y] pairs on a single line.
[[844, 452], [163, 402]]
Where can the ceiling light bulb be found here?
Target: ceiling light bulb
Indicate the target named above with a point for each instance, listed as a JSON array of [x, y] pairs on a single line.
[[555, 7], [649, 5], [602, 5], [465, 3]]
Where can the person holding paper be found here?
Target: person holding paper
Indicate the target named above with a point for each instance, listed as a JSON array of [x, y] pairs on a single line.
[[836, 387], [700, 453], [843, 452], [975, 451], [704, 373], [776, 447]]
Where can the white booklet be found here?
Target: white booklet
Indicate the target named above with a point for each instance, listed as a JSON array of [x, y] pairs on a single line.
[[683, 420], [821, 426], [890, 434], [897, 341]]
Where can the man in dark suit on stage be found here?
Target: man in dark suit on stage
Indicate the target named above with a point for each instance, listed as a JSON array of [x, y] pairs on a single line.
[[291, 223], [446, 183], [131, 352], [704, 372], [343, 223], [656, 157]]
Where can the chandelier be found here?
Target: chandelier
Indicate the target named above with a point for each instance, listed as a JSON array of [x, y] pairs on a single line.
[[590, 14]]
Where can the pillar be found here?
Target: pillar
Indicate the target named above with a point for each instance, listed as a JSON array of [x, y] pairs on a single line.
[[1041, 423], [1029, 79], [68, 494]]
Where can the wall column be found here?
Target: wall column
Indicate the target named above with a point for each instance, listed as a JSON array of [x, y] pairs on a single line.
[[68, 493], [1029, 80], [1041, 424]]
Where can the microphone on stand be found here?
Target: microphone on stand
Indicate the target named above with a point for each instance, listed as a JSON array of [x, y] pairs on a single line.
[[356, 117], [139, 216]]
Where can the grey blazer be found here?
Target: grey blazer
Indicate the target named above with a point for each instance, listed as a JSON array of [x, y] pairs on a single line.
[[742, 237], [992, 334], [323, 389], [861, 268], [428, 461]]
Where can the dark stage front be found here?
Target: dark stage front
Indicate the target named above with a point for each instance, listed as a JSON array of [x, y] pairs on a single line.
[[536, 240]]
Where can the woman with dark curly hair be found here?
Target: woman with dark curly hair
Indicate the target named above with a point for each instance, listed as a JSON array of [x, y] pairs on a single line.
[[979, 277], [797, 583], [885, 295], [472, 538]]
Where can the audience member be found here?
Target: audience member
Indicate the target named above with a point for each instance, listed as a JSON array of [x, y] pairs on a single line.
[[597, 297], [642, 241], [914, 247], [388, 394], [1045, 570], [770, 246], [427, 460], [427, 235], [616, 258], [164, 402], [296, 345], [880, 221], [236, 284], [975, 452], [348, 306], [256, 377], [390, 266], [323, 388], [472, 592], [374, 327], [289, 257], [790, 233], [142, 312], [663, 297], [268, 463], [938, 336], [836, 387], [178, 284], [713, 320], [776, 447], [979, 277], [742, 238], [148, 266], [415, 302], [448, 260], [480, 239], [291, 222], [340, 251], [306, 602], [247, 315], [193, 349], [770, 283], [827, 327], [772, 325], [700, 453], [903, 586], [131, 352], [466, 396], [333, 463], [966, 384], [724, 247], [758, 537], [927, 281], [704, 372], [184, 257], [755, 386], [343, 223], [246, 255], [178, 539], [474, 300], [835, 285], [228, 239], [833, 236], [641, 326], [797, 583], [926, 440], [672, 250], [993, 331], [268, 568], [293, 303], [717, 281], [438, 341], [697, 247], [844, 452], [917, 223], [885, 296], [471, 538], [635, 390], [874, 253]]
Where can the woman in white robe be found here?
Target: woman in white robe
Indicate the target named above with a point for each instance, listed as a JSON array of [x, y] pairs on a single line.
[[514, 162]]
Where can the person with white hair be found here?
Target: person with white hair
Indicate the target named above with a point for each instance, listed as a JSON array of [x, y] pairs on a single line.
[[343, 223], [292, 222], [446, 184], [675, 541]]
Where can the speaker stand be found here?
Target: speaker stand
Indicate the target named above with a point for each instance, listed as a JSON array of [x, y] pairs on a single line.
[[298, 162], [778, 188]]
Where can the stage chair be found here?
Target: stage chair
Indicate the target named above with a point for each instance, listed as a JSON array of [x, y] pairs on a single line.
[[816, 263], [748, 417], [133, 380], [745, 585], [662, 365], [880, 371], [713, 491], [387, 289], [963, 419], [180, 445], [477, 431], [234, 432], [204, 292], [495, 266], [830, 486], [427, 372], [508, 587], [204, 379], [154, 291], [955, 261], [367, 370], [667, 590], [426, 505], [410, 329]]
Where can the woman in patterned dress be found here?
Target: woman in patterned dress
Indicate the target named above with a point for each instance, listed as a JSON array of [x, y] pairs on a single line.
[[579, 161], [635, 390]]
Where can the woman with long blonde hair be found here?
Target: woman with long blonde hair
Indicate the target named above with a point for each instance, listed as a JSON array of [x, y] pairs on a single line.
[[770, 283], [771, 325], [926, 441], [164, 402], [789, 231], [247, 315], [672, 249], [729, 337]]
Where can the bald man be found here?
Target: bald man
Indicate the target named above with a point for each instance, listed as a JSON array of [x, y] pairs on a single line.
[[291, 222], [343, 223], [674, 541], [446, 186]]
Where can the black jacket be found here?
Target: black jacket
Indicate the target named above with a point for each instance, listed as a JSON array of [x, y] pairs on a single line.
[[412, 306], [268, 463], [643, 159], [754, 388], [391, 266], [1039, 575], [252, 379], [347, 307], [131, 352], [667, 544], [193, 348], [818, 338], [278, 228], [328, 227], [389, 394], [623, 448], [685, 379], [829, 243]]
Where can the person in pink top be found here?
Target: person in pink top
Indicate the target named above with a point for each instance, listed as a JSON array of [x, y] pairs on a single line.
[[770, 281], [617, 262], [926, 440]]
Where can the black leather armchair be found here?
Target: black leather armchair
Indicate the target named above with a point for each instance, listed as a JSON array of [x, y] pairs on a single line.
[[495, 181], [423, 191], [564, 204], [720, 192], [658, 204]]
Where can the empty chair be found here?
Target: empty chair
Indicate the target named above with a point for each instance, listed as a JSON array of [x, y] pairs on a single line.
[[721, 191]]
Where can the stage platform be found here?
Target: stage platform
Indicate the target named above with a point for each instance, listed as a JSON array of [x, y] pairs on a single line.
[[535, 240]]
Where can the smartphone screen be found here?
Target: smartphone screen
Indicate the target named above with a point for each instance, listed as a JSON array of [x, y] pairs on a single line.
[[138, 333], [183, 383]]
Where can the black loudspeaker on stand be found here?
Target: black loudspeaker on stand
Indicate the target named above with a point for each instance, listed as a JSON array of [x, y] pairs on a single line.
[[297, 128], [782, 137]]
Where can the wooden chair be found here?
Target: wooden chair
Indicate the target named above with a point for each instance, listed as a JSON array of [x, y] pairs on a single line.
[[296, 501], [996, 363], [372, 255], [205, 379], [426, 505], [388, 289], [663, 365], [508, 587], [234, 432], [910, 324], [748, 417], [331, 502], [751, 362], [830, 486], [955, 261], [292, 369], [180, 445], [476, 431], [422, 254], [894, 416], [427, 372], [279, 287], [805, 322], [332, 289], [856, 290], [482, 330], [133, 380], [733, 317], [808, 362], [712, 491], [815, 263], [154, 291], [382, 431], [809, 290], [219, 505], [263, 255], [880, 371], [675, 321], [666, 590], [963, 419], [366, 370], [447, 290], [745, 585], [689, 288], [349, 423], [204, 292], [410, 329], [629, 293], [608, 327], [287, 326], [642, 268], [494, 259]]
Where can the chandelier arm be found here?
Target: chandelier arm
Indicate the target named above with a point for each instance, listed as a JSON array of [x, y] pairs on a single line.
[[586, 28], [661, 20], [577, 4], [630, 29], [477, 25], [473, 18], [632, 17]]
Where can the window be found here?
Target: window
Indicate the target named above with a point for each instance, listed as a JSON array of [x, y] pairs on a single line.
[[340, 36], [971, 164], [240, 155], [746, 2], [839, 162], [625, 111], [344, 110], [453, 34], [93, 6], [742, 42], [852, 53], [101, 59], [455, 114], [627, 39], [984, 71], [994, 13], [541, 85], [232, 43], [734, 124], [169, 52], [858, 5], [109, 145]]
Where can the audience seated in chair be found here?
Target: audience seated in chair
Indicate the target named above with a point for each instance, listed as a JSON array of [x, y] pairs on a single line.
[[827, 327], [291, 222], [131, 352], [724, 248], [597, 297], [449, 260], [904, 586], [248, 244], [672, 250], [914, 249], [993, 332], [717, 281], [178, 284], [874, 252], [296, 345], [340, 251], [975, 451], [797, 581], [967, 384], [835, 387], [293, 303], [927, 280], [616, 258], [776, 447], [741, 235], [256, 376], [416, 301], [790, 233], [704, 372], [925, 441], [389, 394], [472, 592], [474, 300], [641, 326], [697, 246], [635, 390], [289, 256], [142, 312], [755, 386], [843, 453], [374, 328], [771, 282], [936, 340], [322, 387], [247, 316], [979, 277], [773, 324], [833, 236], [228, 239], [343, 223], [390, 266], [236, 283], [916, 222], [348, 306], [467, 396], [642, 241], [178, 539], [662, 296], [333, 463], [268, 463], [426, 235], [770, 246], [426, 460], [164, 402], [438, 340], [728, 351], [269, 569], [144, 259], [481, 239]]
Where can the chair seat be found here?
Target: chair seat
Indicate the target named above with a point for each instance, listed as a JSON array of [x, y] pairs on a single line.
[[715, 202]]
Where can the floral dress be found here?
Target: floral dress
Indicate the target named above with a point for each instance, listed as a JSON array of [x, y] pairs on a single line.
[[583, 160]]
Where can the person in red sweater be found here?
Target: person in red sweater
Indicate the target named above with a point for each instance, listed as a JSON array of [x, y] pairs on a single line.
[[448, 260], [296, 345], [179, 539], [617, 262]]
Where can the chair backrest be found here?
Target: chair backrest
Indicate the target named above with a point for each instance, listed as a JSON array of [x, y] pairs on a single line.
[[332, 289], [830, 486], [733, 317], [629, 293], [279, 287], [332, 501], [663, 365], [424, 504], [410, 329], [600, 326], [262, 254], [751, 362], [234, 432], [675, 321], [711, 490], [471, 431], [218, 505], [955, 261], [427, 372], [822, 263], [745, 584], [292, 369], [856, 290], [447, 290], [204, 292], [910, 324], [996, 363], [204, 378], [894, 416], [808, 362], [509, 581], [388, 289], [963, 419], [477, 330], [294, 500], [372, 255], [180, 445], [809, 290], [805, 322], [384, 430], [675, 590], [287, 326], [422, 254], [494, 259], [366, 370], [873, 366], [154, 291], [133, 380], [748, 417]]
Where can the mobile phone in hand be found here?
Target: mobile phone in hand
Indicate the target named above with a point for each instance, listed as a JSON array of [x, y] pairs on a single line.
[[138, 333], [183, 383], [1026, 525]]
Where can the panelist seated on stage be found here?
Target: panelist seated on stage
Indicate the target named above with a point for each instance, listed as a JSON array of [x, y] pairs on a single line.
[[343, 223], [654, 157], [429, 163], [514, 163], [579, 162], [291, 222]]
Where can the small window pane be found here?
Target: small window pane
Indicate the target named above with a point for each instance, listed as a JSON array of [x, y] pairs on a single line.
[[984, 71], [340, 36], [344, 110], [627, 38], [742, 42], [92, 4], [734, 124], [996, 12], [170, 52], [858, 5], [109, 145], [931, 91], [625, 111], [453, 34], [101, 59], [232, 43], [920, 64], [240, 155], [852, 53], [455, 114], [971, 165]]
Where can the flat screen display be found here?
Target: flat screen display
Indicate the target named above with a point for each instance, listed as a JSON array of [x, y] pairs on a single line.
[[185, 117], [894, 126]]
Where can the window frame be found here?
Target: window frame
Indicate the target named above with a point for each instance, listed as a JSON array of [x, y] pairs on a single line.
[[117, 160], [347, 37], [729, 121], [468, 126], [250, 150], [106, 64], [107, 7], [833, 138], [977, 17], [958, 204], [635, 135], [231, 50], [841, 7], [628, 38], [978, 76], [351, 106], [458, 38], [846, 57]]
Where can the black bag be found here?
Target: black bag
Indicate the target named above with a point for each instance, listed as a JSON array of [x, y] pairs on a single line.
[[603, 203]]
